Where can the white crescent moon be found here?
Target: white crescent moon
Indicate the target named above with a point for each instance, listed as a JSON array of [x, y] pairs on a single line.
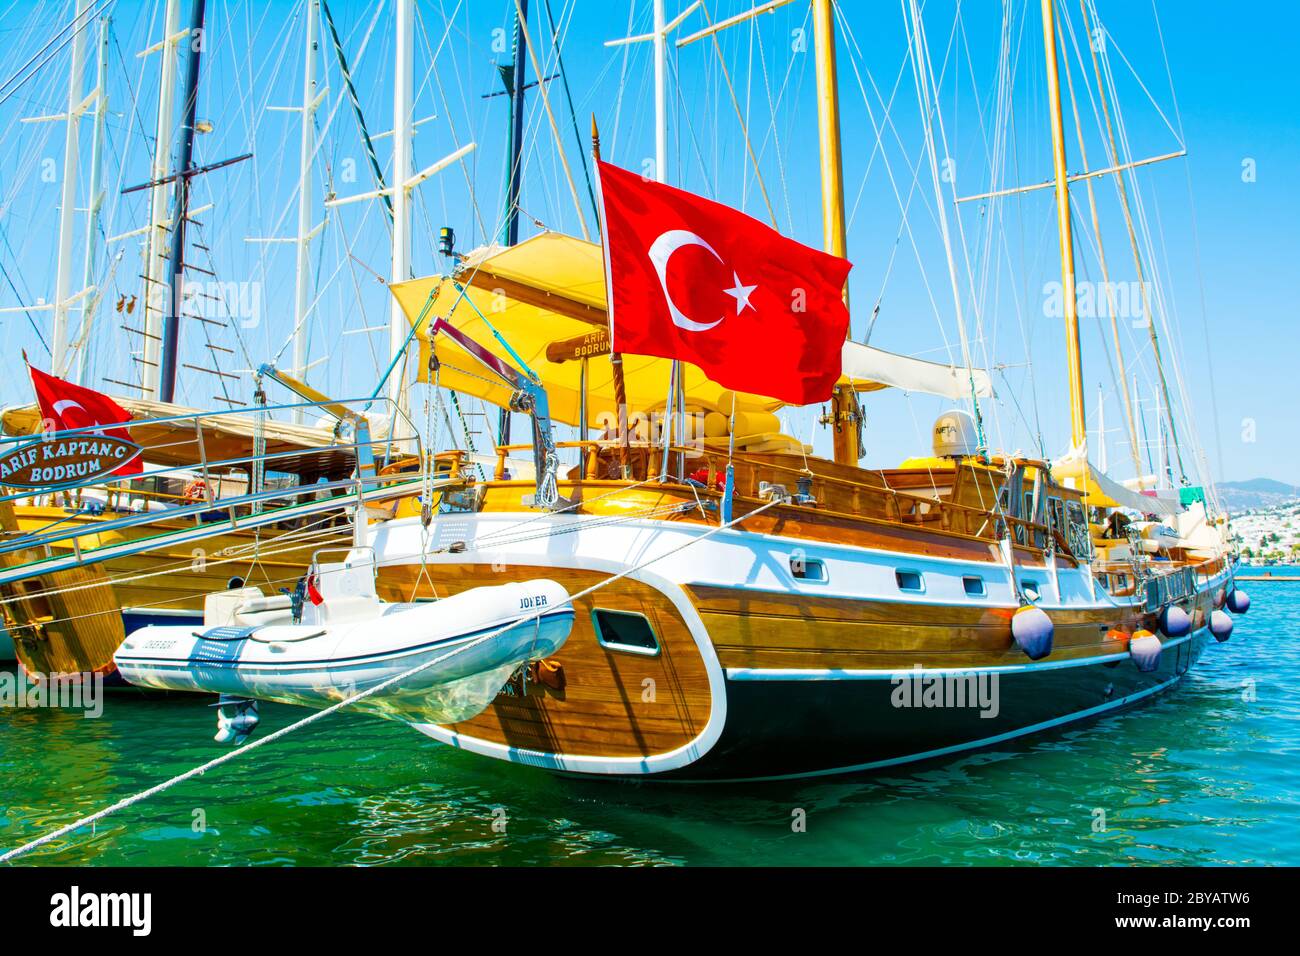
[[64, 404], [661, 250]]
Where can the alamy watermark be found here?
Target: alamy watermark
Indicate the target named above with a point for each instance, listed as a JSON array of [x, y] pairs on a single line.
[[1125, 300], [83, 692], [919, 688]]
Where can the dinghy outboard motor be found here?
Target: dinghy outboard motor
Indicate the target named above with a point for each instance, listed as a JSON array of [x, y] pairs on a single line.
[[236, 719]]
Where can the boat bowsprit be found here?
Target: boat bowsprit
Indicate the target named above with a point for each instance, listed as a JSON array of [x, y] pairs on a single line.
[[335, 638]]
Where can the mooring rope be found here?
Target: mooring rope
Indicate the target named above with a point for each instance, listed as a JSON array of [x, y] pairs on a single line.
[[355, 698]]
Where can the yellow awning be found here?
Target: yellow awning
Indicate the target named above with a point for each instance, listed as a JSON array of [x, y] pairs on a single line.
[[511, 289], [551, 288]]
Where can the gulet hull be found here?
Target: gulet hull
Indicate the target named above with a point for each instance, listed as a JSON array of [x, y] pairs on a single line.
[[757, 674]]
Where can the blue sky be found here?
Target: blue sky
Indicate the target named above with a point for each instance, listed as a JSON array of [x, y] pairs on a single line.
[[1222, 219]]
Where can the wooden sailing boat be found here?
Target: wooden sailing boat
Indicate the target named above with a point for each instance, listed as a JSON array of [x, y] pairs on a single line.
[[69, 621], [829, 627]]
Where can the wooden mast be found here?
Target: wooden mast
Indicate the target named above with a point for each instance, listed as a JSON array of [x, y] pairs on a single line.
[[1132, 236], [171, 328], [844, 403], [1078, 434], [615, 358]]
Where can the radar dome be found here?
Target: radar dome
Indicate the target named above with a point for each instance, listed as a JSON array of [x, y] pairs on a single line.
[[955, 435]]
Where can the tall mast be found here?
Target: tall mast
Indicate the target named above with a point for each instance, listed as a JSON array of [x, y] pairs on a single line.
[[1078, 432], [180, 208], [403, 65], [1132, 234], [844, 403], [96, 202], [661, 114], [515, 80], [660, 46], [1101, 429], [154, 270], [302, 266], [516, 83], [68, 207]]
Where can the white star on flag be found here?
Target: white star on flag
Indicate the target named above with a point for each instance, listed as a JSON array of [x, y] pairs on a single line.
[[741, 294]]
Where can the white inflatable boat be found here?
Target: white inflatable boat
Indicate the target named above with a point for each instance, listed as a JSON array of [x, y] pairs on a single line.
[[338, 639]]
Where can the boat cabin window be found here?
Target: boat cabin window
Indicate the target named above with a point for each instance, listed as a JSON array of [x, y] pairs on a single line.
[[1030, 588], [974, 585], [624, 631], [805, 568], [1058, 514], [909, 580]]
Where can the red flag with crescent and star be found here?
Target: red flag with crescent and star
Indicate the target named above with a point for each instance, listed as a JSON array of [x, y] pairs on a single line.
[[688, 278], [65, 405]]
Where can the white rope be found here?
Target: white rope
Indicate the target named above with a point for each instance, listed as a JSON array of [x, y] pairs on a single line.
[[355, 698]]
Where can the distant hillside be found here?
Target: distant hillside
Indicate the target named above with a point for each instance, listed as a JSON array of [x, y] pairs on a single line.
[[1256, 493]]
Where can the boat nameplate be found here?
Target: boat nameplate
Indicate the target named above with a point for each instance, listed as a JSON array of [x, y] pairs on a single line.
[[51, 463]]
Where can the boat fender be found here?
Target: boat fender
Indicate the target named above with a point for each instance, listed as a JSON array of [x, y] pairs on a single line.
[[1174, 621], [1032, 630], [236, 719], [1221, 625], [1238, 601], [1144, 647]]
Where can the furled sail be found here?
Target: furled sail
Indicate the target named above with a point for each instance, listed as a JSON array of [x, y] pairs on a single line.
[[1104, 491], [881, 369]]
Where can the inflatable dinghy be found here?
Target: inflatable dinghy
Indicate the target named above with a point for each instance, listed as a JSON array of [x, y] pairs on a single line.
[[335, 638]]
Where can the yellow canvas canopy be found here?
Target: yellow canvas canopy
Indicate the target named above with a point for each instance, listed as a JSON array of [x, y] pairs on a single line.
[[551, 289]]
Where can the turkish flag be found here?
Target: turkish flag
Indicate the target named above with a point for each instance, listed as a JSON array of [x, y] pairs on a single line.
[[65, 406], [695, 280]]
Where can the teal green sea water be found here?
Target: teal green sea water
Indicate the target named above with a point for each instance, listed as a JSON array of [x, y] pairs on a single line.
[[1208, 774]]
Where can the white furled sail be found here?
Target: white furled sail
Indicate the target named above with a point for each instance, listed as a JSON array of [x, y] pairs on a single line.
[[862, 364], [1072, 466]]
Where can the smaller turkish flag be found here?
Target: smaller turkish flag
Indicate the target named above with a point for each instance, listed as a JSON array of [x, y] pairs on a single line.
[[66, 406], [695, 280], [313, 592]]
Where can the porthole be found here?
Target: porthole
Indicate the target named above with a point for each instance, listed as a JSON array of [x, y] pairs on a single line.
[[909, 580], [807, 569], [624, 631]]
